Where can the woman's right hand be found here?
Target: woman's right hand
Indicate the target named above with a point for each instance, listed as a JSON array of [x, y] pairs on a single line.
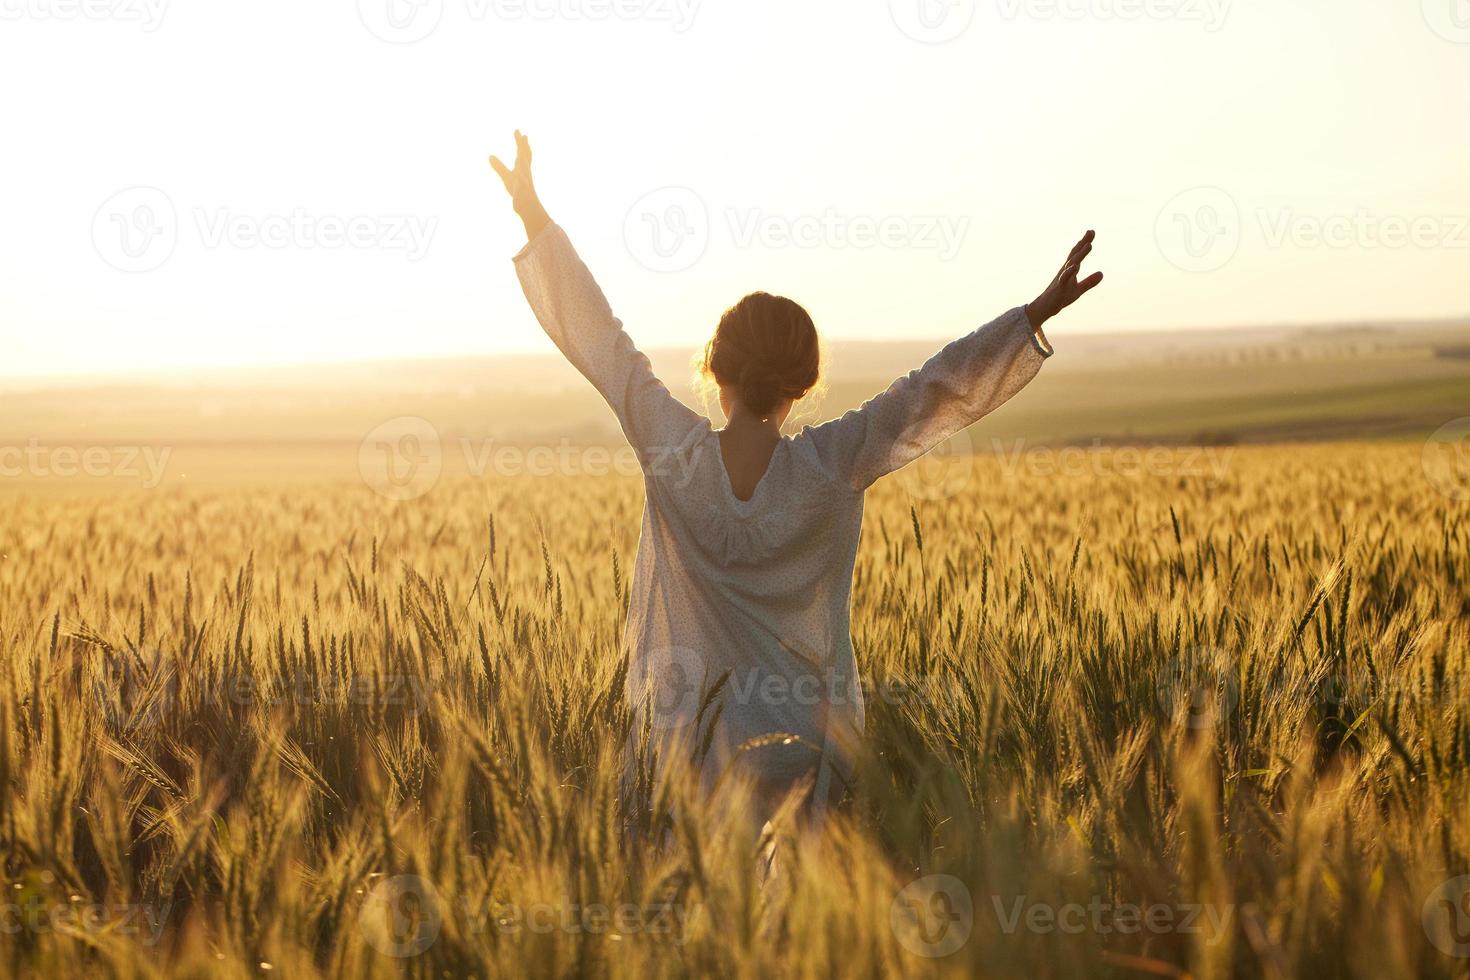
[[522, 190]]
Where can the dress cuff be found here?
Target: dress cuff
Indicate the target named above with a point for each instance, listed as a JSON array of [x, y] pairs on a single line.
[[1038, 336], [542, 238]]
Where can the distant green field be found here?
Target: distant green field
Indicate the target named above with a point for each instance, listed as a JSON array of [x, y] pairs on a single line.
[[1187, 388]]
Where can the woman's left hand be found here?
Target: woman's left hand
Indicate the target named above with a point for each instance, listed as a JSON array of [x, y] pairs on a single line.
[[1064, 290]]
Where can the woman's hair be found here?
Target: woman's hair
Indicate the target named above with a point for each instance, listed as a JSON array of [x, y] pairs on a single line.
[[766, 348]]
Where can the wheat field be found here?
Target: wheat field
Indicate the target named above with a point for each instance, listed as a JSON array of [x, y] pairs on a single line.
[[1203, 720]]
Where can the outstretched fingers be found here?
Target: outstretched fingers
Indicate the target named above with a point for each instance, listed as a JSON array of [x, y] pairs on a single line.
[[1080, 250]]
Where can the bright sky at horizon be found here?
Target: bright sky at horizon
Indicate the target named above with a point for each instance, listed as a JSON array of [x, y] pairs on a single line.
[[211, 184]]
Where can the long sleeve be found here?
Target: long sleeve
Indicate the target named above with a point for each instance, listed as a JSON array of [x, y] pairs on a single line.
[[576, 316], [967, 380]]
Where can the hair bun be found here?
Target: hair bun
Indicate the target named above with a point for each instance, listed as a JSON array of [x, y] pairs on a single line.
[[766, 349]]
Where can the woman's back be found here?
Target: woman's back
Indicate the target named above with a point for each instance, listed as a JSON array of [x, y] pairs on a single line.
[[747, 599]]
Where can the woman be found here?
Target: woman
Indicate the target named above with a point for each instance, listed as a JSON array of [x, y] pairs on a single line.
[[737, 629]]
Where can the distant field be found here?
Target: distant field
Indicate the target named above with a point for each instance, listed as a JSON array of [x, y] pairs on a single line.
[[1207, 387]]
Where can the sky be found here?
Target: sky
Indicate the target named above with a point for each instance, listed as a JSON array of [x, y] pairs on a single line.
[[199, 184]]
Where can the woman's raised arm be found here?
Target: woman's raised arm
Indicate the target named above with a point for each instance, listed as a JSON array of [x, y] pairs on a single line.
[[967, 380], [575, 314]]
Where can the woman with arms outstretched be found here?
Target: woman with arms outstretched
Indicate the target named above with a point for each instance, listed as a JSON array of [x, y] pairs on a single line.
[[746, 553]]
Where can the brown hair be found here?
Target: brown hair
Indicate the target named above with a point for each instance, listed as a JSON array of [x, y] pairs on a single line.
[[766, 348]]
